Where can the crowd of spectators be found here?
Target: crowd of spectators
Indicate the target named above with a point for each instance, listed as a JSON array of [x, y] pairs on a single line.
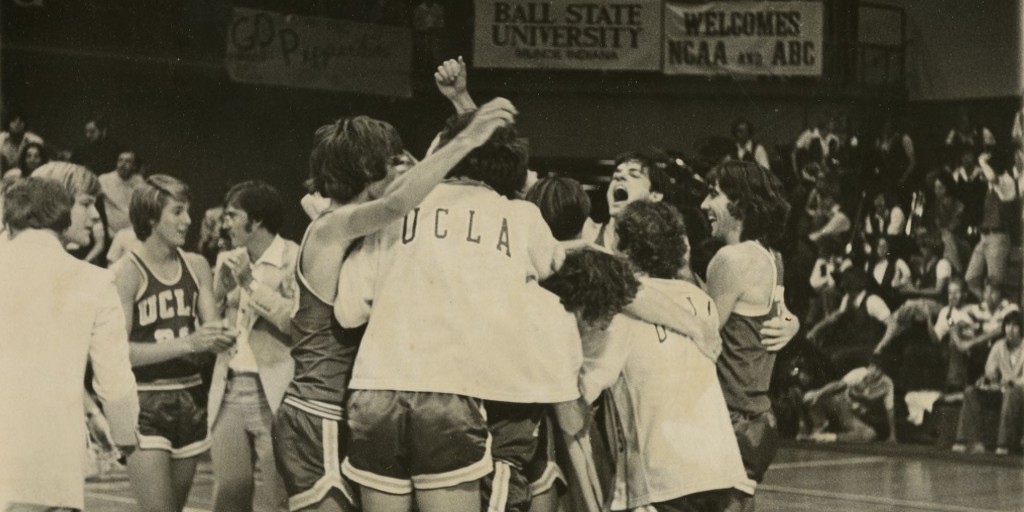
[[906, 283], [903, 277]]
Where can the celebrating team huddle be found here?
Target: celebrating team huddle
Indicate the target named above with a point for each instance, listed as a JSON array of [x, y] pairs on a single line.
[[446, 336]]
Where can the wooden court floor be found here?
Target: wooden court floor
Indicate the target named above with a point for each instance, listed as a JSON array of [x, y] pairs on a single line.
[[803, 478]]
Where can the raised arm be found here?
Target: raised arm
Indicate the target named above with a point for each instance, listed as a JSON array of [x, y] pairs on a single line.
[[451, 82], [412, 187]]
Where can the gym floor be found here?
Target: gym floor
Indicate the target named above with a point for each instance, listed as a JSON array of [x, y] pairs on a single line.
[[870, 478]]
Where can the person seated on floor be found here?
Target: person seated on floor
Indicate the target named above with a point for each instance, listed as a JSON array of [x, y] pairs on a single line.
[[1003, 382], [849, 334], [972, 339], [855, 409]]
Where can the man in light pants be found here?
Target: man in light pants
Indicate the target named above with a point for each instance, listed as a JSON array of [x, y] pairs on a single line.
[[249, 380]]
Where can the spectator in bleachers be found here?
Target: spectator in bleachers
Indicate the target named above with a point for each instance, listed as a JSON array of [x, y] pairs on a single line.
[[968, 185], [746, 149], [886, 218], [1000, 218], [118, 186], [911, 349], [895, 159], [849, 334], [31, 157], [212, 238], [858, 408], [973, 338], [944, 215], [1003, 381], [924, 295], [812, 145], [836, 223], [823, 279], [931, 270], [969, 134], [955, 312], [14, 139], [815, 178], [889, 270], [100, 151]]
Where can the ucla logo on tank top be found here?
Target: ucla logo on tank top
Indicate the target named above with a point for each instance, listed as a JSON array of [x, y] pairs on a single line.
[[167, 306], [164, 311]]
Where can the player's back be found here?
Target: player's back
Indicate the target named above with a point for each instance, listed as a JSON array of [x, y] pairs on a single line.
[[672, 408], [451, 278]]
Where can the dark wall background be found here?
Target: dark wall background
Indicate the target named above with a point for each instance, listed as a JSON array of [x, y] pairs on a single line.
[[154, 69]]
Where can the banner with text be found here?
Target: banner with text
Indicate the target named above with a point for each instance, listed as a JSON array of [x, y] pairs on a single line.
[[318, 53], [749, 38], [565, 34]]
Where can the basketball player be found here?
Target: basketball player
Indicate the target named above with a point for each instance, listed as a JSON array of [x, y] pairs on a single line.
[[427, 362], [353, 165], [673, 457], [165, 293], [747, 212]]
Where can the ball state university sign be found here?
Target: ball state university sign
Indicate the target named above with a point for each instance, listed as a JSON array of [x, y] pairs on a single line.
[[564, 34]]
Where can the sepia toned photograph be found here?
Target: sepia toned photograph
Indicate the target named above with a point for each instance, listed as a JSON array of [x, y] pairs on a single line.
[[511, 255]]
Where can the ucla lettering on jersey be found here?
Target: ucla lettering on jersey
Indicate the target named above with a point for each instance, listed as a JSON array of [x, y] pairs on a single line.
[[459, 225], [164, 311], [167, 305]]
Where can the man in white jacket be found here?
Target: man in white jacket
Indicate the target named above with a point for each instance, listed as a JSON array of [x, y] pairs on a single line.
[[58, 312]]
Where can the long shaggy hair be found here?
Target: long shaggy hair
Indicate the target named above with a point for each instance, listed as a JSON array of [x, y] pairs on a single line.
[[350, 154], [593, 284], [500, 162], [75, 178], [148, 202], [755, 197], [563, 204], [653, 237], [36, 203]]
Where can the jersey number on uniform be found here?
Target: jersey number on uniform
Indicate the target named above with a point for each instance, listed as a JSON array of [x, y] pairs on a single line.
[[160, 335]]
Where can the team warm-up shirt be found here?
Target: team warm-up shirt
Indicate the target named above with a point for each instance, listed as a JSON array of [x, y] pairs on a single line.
[[678, 436], [165, 311], [449, 289]]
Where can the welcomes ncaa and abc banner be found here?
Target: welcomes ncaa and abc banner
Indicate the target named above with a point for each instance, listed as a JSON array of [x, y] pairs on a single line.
[[748, 38], [318, 53], [565, 34]]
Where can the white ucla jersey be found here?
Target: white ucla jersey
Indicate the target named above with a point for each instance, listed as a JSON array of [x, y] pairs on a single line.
[[679, 438], [450, 291]]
